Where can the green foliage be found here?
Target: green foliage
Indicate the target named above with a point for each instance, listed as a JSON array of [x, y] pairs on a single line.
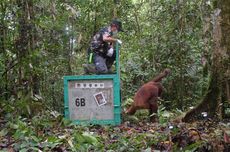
[[158, 34], [40, 42], [193, 147], [164, 115], [25, 106], [47, 132], [165, 34]]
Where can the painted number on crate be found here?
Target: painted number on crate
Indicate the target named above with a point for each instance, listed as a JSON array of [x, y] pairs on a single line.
[[80, 102]]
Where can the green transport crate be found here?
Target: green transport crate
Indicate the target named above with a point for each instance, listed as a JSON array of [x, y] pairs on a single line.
[[93, 99]]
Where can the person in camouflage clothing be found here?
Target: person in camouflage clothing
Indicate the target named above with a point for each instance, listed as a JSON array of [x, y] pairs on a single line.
[[101, 52]]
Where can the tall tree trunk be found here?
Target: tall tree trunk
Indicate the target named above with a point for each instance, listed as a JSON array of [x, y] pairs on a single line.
[[218, 91], [25, 45], [35, 83], [3, 36], [22, 40]]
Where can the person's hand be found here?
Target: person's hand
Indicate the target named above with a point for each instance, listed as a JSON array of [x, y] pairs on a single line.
[[119, 41]]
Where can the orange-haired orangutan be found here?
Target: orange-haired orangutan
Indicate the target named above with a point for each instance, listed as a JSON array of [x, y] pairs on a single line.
[[146, 97]]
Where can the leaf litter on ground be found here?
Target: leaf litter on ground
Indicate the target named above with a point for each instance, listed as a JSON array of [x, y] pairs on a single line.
[[51, 132]]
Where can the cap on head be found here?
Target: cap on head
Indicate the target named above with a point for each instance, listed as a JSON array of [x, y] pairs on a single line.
[[118, 24]]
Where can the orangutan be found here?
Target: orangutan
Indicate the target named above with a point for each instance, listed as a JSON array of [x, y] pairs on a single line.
[[146, 97]]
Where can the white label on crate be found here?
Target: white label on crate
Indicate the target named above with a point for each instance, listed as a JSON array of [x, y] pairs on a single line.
[[89, 85]]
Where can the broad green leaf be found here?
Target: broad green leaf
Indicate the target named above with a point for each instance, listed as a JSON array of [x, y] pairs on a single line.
[[3, 132], [90, 138]]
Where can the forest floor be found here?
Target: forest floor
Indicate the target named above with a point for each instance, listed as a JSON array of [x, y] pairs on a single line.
[[51, 132]]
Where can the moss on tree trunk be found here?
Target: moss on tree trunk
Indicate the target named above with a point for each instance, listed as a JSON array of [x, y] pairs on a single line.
[[217, 92], [209, 103]]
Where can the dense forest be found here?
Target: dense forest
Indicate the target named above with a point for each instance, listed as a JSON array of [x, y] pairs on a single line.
[[41, 41]]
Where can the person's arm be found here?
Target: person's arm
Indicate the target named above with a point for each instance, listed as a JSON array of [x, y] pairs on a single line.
[[109, 39]]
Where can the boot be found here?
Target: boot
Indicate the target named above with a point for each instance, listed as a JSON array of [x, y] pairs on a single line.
[[89, 68]]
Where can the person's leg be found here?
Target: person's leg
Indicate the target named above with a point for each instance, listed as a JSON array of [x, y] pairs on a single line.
[[89, 68], [110, 61], [100, 64]]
